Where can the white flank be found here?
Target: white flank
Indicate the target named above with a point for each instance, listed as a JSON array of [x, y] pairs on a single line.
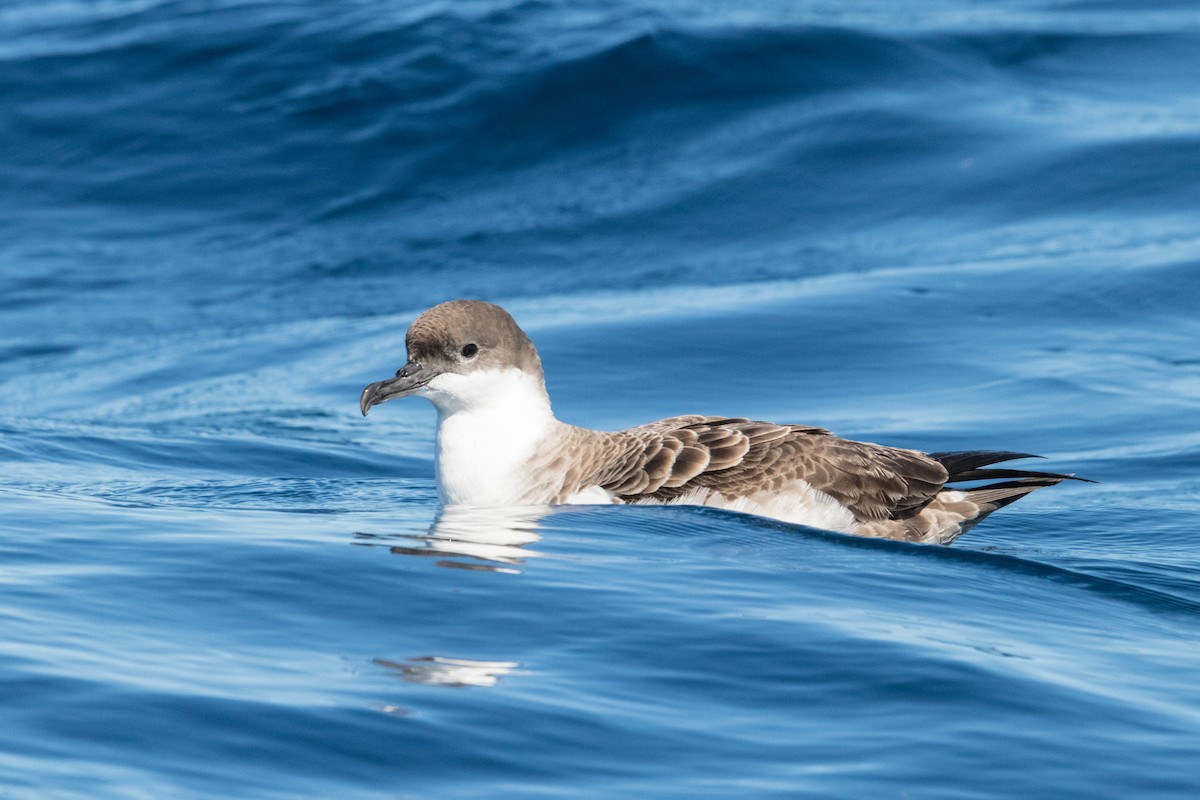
[[797, 502], [591, 497]]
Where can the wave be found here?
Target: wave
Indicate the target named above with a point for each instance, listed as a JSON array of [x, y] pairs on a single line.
[[167, 107]]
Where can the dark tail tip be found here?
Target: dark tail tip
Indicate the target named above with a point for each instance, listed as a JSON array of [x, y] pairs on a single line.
[[967, 465]]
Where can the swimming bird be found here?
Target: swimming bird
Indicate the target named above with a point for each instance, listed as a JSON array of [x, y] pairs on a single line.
[[499, 444]]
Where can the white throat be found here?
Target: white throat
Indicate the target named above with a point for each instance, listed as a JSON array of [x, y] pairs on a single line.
[[489, 425]]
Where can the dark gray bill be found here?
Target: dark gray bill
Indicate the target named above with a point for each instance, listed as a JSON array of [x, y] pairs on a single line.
[[407, 381]]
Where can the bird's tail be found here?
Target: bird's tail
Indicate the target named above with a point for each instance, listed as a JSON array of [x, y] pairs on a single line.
[[974, 465]]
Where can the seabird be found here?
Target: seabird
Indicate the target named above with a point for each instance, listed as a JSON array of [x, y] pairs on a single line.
[[499, 444]]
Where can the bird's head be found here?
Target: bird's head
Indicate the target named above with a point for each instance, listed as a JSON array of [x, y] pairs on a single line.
[[459, 354]]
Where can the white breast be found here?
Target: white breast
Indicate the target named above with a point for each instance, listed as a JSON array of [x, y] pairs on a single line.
[[489, 425]]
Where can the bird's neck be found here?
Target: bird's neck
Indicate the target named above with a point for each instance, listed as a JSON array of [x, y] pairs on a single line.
[[487, 432]]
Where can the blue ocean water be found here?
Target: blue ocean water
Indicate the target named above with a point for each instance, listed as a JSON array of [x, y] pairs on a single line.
[[943, 225]]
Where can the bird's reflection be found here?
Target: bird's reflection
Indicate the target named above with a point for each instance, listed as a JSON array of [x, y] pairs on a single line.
[[495, 539], [453, 672]]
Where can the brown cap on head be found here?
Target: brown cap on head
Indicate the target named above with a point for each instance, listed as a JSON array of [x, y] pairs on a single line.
[[470, 335]]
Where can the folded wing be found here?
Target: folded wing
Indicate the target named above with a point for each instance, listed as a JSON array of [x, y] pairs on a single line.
[[737, 457]]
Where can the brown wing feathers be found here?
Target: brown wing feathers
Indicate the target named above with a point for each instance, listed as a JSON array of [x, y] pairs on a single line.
[[738, 457], [873, 481]]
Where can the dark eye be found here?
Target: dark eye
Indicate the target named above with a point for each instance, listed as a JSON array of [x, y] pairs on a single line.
[[469, 350]]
